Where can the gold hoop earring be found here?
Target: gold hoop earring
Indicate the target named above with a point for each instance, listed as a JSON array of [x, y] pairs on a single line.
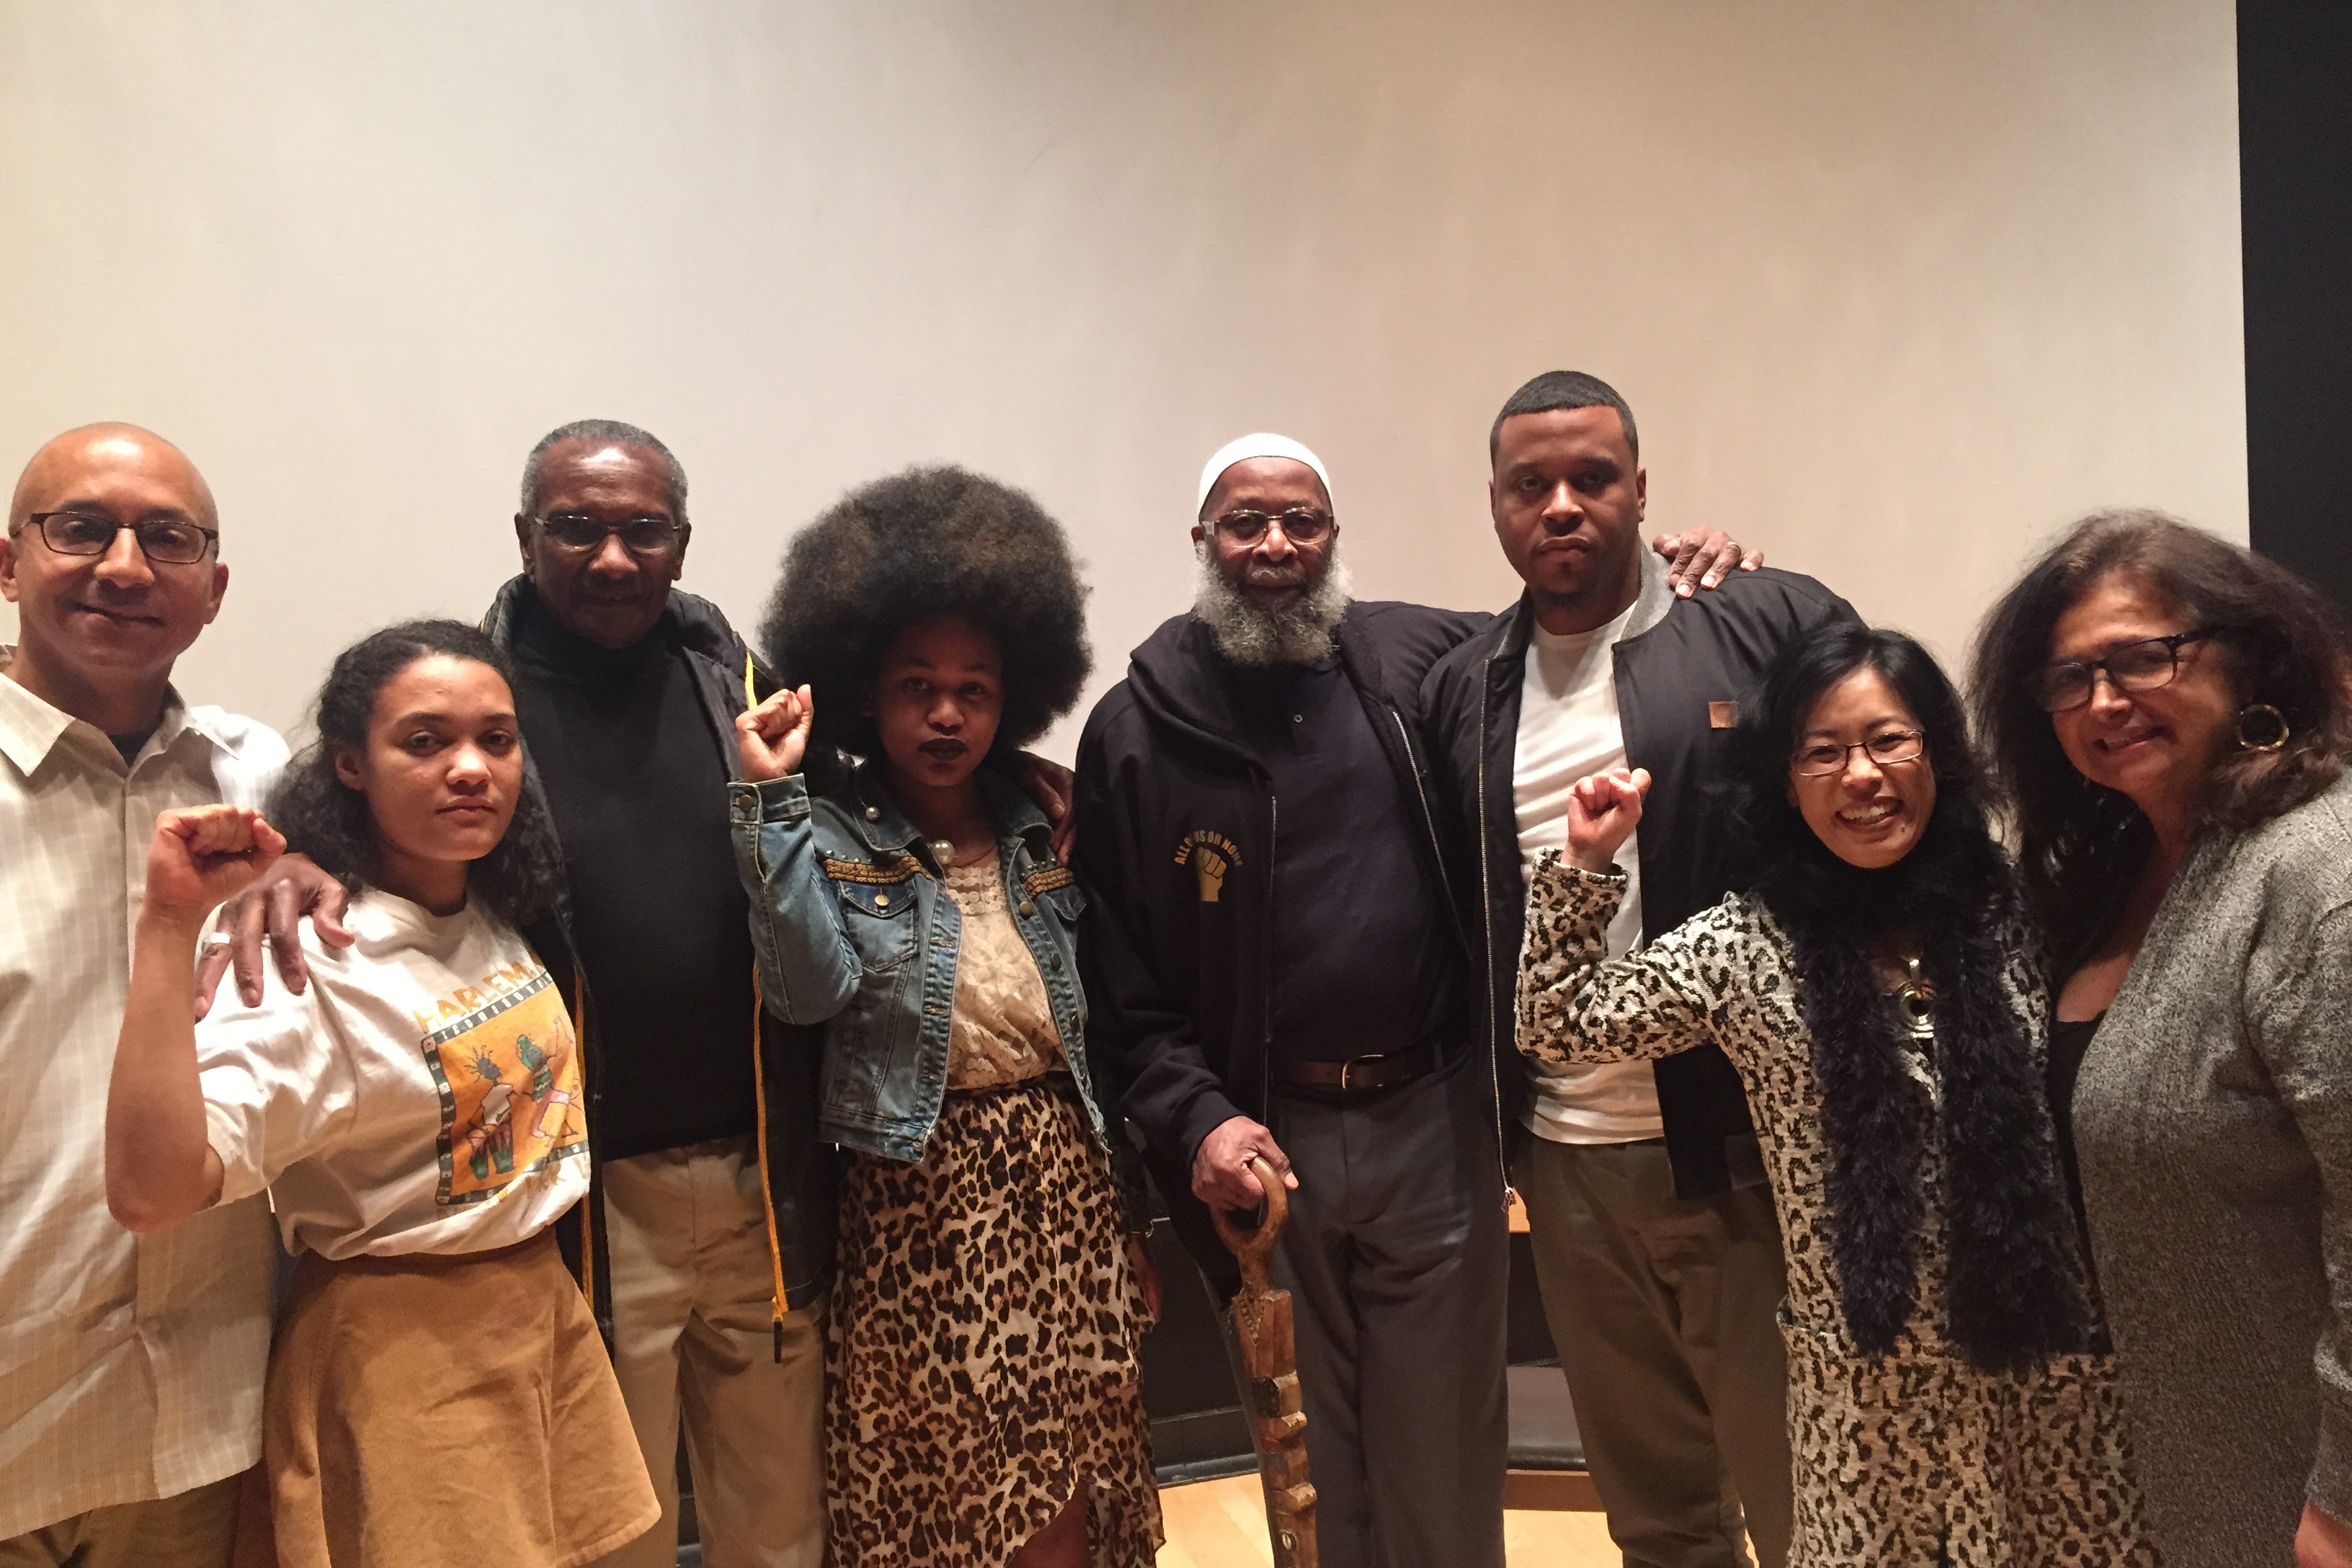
[[2269, 728]]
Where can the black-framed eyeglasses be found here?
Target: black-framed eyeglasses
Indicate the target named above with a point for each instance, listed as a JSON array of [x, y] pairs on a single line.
[[582, 534], [2141, 666], [167, 541], [1821, 758], [1300, 525]]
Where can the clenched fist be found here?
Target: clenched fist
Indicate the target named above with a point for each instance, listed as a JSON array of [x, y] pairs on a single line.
[[772, 739], [202, 858], [1602, 811]]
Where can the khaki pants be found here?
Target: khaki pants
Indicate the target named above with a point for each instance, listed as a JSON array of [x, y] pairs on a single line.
[[691, 1286], [191, 1530], [1663, 1311]]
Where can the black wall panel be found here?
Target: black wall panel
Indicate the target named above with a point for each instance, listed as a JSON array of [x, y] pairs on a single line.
[[2294, 152]]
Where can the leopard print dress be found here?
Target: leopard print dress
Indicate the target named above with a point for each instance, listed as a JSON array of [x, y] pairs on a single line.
[[985, 1325], [1915, 1456]]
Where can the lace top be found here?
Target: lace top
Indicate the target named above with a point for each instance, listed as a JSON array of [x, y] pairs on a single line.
[[1001, 1031]]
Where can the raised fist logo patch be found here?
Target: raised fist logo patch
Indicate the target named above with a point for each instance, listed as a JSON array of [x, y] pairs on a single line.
[[1210, 855]]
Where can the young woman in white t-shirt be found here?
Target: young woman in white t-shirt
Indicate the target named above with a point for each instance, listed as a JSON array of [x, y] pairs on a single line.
[[437, 1389]]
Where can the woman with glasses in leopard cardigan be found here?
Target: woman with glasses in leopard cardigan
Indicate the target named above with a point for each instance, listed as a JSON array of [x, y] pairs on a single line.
[[1950, 1400]]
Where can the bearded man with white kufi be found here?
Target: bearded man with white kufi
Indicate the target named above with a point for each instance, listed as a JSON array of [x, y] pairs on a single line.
[[1274, 969]]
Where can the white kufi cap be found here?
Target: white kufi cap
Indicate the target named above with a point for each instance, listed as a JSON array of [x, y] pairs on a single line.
[[1262, 444]]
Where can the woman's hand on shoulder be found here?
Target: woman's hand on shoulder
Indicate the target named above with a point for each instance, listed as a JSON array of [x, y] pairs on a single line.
[[1604, 809], [205, 856], [772, 739]]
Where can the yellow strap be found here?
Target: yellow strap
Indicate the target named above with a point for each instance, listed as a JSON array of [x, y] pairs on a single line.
[[587, 1211], [779, 1303]]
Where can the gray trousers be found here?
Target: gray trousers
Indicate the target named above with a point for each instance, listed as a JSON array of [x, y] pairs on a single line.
[[1397, 1259], [1663, 1311]]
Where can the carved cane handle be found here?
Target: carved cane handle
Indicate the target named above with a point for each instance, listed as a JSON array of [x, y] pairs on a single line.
[[1256, 1247]]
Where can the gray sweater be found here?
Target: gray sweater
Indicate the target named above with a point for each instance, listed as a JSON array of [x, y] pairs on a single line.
[[2214, 1123]]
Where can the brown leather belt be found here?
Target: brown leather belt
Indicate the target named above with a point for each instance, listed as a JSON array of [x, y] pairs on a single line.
[[1358, 1073]]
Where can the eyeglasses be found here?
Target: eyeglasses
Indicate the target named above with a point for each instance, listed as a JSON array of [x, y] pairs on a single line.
[[168, 542], [2140, 666], [1300, 525], [1885, 749], [579, 533]]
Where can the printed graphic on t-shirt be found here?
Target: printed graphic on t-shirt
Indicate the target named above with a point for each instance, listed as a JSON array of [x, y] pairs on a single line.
[[510, 1083]]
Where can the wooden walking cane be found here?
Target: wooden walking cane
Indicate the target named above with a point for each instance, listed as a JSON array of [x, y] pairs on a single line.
[[1270, 1355]]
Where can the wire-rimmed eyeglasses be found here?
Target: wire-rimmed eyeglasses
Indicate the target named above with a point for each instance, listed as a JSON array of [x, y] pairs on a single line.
[[576, 532], [1300, 525]]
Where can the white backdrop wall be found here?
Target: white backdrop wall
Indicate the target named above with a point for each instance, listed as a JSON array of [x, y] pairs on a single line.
[[1893, 289]]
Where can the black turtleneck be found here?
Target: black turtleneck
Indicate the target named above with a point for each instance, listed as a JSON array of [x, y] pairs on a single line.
[[638, 785]]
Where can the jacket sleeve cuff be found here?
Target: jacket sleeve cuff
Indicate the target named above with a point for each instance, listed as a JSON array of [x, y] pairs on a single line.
[[774, 800], [1209, 1113], [1551, 865]]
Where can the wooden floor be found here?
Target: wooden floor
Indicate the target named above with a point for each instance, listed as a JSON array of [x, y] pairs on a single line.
[[1221, 1524]]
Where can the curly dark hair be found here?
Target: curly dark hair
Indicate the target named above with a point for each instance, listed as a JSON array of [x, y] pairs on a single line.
[[2079, 845], [1957, 864], [329, 821], [930, 542]]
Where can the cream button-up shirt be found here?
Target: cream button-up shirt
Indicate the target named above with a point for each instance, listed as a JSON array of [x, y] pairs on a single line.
[[130, 1367]]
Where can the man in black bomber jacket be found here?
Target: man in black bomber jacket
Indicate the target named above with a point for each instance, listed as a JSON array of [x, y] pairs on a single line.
[[1274, 966], [1655, 1241]]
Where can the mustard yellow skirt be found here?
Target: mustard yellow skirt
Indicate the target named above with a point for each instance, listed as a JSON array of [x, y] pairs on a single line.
[[457, 1409]]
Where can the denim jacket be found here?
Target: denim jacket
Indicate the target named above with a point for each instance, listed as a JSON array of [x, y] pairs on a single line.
[[851, 931]]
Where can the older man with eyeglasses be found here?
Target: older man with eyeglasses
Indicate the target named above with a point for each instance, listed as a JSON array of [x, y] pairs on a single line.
[[708, 1237], [130, 1367]]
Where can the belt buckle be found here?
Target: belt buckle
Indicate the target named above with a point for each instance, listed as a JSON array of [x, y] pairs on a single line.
[[1349, 1064]]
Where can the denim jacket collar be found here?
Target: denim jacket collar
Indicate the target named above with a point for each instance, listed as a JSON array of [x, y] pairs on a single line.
[[885, 830]]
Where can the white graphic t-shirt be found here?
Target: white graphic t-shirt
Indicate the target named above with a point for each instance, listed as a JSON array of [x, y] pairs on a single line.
[[1569, 729], [421, 1095]]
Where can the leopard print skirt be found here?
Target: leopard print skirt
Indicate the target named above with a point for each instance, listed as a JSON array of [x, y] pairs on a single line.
[[985, 1335]]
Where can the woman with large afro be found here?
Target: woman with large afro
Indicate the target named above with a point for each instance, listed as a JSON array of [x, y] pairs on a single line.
[[986, 1405]]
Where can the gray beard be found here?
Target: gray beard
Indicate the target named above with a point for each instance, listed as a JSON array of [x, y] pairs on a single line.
[[1298, 633]]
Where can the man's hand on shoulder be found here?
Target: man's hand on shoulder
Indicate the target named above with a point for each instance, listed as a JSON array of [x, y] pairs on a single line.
[[1702, 558], [272, 909], [1053, 788]]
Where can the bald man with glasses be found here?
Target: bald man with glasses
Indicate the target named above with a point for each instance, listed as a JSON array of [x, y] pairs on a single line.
[[130, 1367]]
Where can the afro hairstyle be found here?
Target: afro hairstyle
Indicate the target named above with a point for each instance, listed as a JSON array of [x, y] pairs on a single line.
[[930, 542]]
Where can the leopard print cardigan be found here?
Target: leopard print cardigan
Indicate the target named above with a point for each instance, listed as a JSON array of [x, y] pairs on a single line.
[[1911, 1456]]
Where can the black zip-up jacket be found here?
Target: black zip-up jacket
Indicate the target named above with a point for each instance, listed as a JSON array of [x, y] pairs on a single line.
[[1682, 668], [799, 1174], [1177, 823]]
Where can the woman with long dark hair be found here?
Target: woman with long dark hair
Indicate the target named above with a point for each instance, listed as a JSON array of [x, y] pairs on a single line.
[[1947, 1403], [986, 1405], [437, 1389], [2169, 716]]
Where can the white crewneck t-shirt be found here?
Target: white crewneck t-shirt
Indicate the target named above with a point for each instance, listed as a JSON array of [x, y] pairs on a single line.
[[421, 1095], [1569, 729]]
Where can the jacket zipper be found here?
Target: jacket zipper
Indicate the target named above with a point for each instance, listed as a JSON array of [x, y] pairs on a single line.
[[1487, 921], [1428, 818], [1265, 999]]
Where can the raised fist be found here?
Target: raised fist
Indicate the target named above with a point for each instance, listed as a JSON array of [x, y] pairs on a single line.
[[1602, 811], [772, 739], [204, 856]]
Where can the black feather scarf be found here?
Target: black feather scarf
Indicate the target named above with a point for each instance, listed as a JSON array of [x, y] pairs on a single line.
[[2013, 1294]]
